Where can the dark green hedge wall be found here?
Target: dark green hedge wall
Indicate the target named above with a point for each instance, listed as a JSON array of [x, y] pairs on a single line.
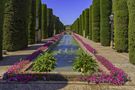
[[44, 21], [1, 24], [15, 28], [131, 8], [96, 21], [105, 26], [87, 22], [83, 23], [50, 22], [32, 23], [121, 25], [90, 22]]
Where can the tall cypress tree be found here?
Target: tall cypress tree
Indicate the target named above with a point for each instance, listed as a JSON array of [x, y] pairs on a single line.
[[105, 27], [90, 22], [2, 2], [96, 21], [44, 21], [15, 27], [32, 23], [131, 8], [50, 22], [87, 22], [121, 25]]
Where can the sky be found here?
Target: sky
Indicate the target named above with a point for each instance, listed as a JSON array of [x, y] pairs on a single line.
[[67, 10]]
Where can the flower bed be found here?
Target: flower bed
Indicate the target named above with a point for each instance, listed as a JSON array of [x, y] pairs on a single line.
[[17, 67], [116, 76]]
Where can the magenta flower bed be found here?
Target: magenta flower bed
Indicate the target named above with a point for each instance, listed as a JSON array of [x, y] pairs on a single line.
[[14, 69], [117, 76]]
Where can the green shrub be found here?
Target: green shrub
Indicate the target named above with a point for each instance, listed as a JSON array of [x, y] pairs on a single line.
[[44, 21], [1, 24], [85, 64], [121, 25], [32, 23], [15, 29], [86, 22], [105, 26], [44, 63], [96, 21], [90, 22], [83, 23], [131, 8]]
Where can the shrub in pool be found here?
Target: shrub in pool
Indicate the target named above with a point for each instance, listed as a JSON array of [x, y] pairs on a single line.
[[85, 64], [44, 63]]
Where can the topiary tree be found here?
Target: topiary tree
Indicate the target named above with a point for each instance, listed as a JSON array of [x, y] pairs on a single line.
[[121, 25], [32, 23], [44, 21], [39, 19], [131, 8], [2, 2], [87, 22], [96, 21], [15, 36], [90, 22], [105, 27], [50, 22]]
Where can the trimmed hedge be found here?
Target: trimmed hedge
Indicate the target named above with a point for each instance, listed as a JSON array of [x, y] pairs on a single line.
[[32, 23], [44, 21], [1, 24], [131, 8], [15, 36], [39, 18], [86, 22], [121, 25], [105, 26], [90, 22], [83, 22], [96, 21], [50, 22]]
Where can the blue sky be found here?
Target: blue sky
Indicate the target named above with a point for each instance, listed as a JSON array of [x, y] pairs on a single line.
[[67, 10]]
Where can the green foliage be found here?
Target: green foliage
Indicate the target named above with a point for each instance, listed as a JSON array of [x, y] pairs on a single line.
[[16, 18], [86, 22], [32, 23], [105, 26], [131, 8], [90, 22], [96, 21], [1, 24], [85, 64], [44, 63], [50, 22], [44, 21], [121, 25]]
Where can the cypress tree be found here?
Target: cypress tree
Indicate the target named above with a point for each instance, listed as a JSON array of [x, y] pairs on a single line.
[[50, 22], [15, 29], [87, 22], [2, 2], [96, 21], [90, 22], [83, 23], [39, 19], [121, 25], [105, 27], [131, 8], [32, 23], [80, 26], [44, 21]]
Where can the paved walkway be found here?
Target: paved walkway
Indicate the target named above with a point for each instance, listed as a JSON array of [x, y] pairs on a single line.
[[119, 59]]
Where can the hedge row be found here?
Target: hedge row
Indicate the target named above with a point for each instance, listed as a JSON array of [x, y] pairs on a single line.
[[131, 6], [32, 23], [86, 16], [121, 25], [105, 26], [15, 27], [2, 2], [90, 22]]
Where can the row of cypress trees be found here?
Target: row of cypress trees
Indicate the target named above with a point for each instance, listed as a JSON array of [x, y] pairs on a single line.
[[26, 22], [100, 27]]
